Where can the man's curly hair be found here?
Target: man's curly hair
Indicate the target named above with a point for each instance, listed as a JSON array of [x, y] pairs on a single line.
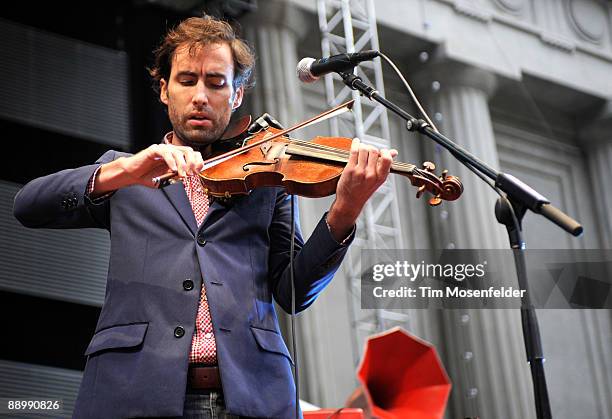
[[195, 32]]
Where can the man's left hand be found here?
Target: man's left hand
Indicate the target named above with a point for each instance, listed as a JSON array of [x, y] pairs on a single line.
[[366, 170]]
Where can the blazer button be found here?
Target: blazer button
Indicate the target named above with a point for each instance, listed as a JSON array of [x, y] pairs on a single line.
[[179, 332], [201, 241], [188, 284]]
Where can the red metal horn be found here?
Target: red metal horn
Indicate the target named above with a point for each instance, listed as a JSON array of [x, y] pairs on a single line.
[[401, 378]]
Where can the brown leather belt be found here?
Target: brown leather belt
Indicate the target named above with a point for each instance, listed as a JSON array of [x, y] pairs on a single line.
[[203, 377]]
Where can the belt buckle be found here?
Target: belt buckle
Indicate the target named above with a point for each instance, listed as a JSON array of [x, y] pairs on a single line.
[[204, 377]]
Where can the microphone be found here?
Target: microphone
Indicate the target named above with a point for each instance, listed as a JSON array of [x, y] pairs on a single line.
[[309, 69]]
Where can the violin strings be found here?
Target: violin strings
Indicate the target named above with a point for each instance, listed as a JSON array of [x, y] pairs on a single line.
[[345, 154], [340, 152], [310, 144]]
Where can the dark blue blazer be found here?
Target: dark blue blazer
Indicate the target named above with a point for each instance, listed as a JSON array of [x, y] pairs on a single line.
[[138, 357]]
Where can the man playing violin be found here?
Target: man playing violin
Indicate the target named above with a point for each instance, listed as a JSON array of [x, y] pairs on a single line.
[[188, 325]]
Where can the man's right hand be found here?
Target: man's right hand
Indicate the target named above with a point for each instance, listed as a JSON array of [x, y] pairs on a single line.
[[142, 167]]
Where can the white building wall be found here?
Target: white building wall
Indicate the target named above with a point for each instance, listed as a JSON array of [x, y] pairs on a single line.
[[551, 119]]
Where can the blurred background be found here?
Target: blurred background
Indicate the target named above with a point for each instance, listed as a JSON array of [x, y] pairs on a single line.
[[523, 84]]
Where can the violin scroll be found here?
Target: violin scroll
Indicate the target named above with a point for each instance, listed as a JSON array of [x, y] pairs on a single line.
[[444, 187]]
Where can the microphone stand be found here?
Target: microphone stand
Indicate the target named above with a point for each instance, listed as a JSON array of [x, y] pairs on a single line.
[[509, 210]]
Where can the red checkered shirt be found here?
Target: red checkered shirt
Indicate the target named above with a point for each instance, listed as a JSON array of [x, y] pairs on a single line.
[[203, 344]]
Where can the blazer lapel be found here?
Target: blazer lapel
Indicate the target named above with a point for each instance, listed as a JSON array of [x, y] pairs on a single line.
[[215, 210], [178, 197]]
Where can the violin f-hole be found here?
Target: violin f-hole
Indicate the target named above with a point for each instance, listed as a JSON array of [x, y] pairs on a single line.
[[260, 163]]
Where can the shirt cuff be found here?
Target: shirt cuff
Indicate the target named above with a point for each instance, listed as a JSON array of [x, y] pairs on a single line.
[[90, 189], [347, 239]]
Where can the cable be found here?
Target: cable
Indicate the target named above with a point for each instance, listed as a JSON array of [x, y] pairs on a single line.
[[412, 95], [293, 336]]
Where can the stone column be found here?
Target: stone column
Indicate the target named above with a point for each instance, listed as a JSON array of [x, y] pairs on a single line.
[[596, 141], [600, 169], [483, 350], [274, 30], [458, 105], [326, 373], [597, 144]]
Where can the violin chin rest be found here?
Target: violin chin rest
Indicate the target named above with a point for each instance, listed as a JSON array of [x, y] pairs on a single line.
[[237, 127]]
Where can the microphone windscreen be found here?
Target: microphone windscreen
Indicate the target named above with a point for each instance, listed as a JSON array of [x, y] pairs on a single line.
[[303, 70]]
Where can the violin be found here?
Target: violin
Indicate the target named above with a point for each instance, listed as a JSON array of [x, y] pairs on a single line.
[[270, 157]]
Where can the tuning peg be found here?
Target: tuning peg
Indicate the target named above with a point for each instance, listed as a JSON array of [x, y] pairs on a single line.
[[444, 174], [429, 166], [435, 201], [420, 191]]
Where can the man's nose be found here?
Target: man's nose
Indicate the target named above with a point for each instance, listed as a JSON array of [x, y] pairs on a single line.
[[200, 96]]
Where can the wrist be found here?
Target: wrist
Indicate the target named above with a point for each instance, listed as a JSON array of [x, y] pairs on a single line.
[[342, 240], [341, 219], [110, 177], [345, 210]]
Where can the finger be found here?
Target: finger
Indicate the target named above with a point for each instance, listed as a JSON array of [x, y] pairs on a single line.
[[179, 159], [182, 160], [168, 158], [161, 152], [192, 161], [373, 154], [384, 163], [183, 148], [188, 157], [154, 152], [199, 162], [354, 153], [362, 159], [394, 153]]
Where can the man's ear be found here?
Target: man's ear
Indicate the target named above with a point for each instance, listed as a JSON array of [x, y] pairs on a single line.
[[238, 98], [163, 91]]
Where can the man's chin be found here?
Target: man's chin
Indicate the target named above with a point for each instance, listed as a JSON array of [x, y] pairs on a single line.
[[197, 139], [200, 141]]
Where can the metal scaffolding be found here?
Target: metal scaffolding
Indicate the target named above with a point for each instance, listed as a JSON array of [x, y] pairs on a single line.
[[350, 26]]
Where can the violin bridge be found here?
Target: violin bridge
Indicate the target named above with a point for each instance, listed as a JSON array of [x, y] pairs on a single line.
[[264, 148], [273, 152]]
